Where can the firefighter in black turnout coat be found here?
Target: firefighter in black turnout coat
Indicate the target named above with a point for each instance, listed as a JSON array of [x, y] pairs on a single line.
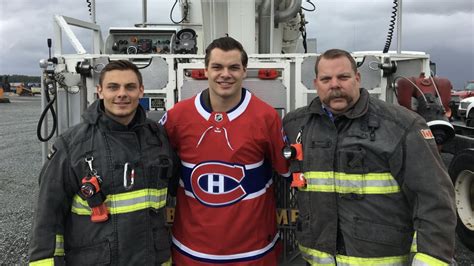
[[104, 186], [377, 192]]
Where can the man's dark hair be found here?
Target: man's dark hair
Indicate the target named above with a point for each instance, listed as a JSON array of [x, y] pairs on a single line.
[[121, 65], [226, 44], [333, 54]]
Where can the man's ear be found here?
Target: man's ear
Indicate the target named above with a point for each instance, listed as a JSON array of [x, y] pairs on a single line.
[[142, 91], [357, 77], [99, 91]]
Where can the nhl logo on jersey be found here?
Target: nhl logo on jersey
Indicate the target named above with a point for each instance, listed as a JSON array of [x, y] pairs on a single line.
[[218, 117], [218, 184]]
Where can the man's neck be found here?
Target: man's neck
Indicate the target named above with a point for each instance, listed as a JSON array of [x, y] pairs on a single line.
[[222, 104], [122, 120]]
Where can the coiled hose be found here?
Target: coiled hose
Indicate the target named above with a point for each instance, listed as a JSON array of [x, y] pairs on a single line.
[[391, 26], [89, 6]]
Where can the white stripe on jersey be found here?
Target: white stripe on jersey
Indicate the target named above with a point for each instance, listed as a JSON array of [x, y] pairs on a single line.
[[227, 256]]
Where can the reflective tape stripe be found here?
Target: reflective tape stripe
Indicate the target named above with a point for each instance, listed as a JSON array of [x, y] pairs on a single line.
[[371, 183], [414, 245], [59, 250], [422, 259], [167, 263], [125, 202], [385, 261], [316, 257], [44, 262]]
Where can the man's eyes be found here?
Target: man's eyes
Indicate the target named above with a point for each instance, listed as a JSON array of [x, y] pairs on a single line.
[[233, 68], [113, 87], [340, 78], [127, 87]]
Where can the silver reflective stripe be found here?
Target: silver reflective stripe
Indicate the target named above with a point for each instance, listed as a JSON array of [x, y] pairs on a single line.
[[414, 245], [59, 249], [419, 263], [318, 260], [370, 263], [370, 183], [125, 202], [378, 261], [316, 257], [135, 201], [422, 259]]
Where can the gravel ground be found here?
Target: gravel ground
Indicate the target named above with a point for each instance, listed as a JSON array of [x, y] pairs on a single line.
[[20, 163]]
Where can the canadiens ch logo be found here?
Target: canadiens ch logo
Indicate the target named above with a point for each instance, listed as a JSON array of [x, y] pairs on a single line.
[[218, 184], [218, 117]]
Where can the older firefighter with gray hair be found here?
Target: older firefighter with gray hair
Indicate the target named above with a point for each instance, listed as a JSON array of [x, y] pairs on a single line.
[[377, 192]]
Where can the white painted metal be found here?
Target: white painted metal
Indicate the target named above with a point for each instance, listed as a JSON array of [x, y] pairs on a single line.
[[241, 23]]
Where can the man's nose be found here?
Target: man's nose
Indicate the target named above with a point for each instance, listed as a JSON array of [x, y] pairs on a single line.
[[122, 92], [225, 72], [334, 83]]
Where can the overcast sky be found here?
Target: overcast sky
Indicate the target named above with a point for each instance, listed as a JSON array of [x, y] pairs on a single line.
[[442, 28]]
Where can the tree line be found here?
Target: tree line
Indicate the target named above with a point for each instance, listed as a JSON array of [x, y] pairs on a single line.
[[19, 78]]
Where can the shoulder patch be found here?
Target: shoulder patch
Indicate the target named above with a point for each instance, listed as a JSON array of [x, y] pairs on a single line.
[[426, 133], [52, 152]]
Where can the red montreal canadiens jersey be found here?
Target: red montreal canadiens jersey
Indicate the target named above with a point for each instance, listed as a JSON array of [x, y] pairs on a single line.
[[225, 210]]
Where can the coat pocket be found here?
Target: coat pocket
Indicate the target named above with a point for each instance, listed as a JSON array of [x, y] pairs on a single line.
[[388, 234], [351, 161], [97, 254]]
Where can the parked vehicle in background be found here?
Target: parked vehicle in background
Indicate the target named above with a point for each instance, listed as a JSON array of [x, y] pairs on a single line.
[[458, 95], [454, 104], [463, 105], [470, 114], [468, 90]]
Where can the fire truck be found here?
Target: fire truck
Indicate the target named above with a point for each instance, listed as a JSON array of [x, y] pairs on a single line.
[[280, 71]]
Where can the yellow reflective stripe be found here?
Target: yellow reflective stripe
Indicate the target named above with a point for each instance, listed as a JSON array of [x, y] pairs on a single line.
[[414, 245], [316, 257], [44, 262], [370, 183], [79, 206], [137, 200], [167, 263], [422, 259], [59, 250], [125, 202], [385, 261]]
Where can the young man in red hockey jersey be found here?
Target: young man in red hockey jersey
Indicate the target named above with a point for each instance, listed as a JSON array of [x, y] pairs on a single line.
[[229, 142]]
